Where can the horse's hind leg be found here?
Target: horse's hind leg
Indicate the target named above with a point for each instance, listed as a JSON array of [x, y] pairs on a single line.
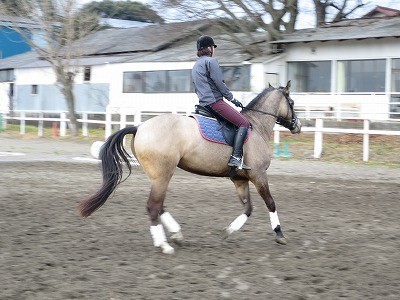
[[172, 227], [263, 190], [242, 188], [155, 207]]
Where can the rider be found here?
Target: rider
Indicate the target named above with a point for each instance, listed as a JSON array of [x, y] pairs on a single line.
[[210, 87]]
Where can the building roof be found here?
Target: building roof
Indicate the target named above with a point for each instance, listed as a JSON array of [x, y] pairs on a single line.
[[355, 29], [176, 42], [14, 21], [140, 39], [381, 11], [31, 59], [118, 23], [227, 53]]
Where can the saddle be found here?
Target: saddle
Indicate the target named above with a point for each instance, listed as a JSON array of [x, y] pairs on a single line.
[[213, 128]]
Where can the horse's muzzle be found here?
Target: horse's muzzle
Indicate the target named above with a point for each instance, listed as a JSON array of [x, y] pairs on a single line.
[[297, 127]]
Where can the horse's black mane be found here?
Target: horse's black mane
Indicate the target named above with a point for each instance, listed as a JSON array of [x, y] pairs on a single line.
[[259, 96]]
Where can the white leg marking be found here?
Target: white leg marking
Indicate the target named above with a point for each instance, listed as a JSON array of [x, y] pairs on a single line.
[[166, 248], [160, 239], [158, 235], [274, 219], [169, 222], [237, 224]]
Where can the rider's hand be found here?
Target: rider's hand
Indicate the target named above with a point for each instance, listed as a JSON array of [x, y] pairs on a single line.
[[236, 102]]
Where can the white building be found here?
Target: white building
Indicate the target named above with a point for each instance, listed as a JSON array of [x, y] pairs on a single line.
[[351, 65]]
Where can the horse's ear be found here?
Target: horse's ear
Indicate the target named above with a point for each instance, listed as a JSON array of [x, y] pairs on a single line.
[[288, 85]]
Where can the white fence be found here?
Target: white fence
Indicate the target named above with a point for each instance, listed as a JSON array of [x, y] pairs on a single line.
[[122, 121]]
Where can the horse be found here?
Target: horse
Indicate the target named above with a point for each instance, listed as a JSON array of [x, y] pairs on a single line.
[[165, 142]]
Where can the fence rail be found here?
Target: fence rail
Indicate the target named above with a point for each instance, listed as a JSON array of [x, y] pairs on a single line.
[[122, 122]]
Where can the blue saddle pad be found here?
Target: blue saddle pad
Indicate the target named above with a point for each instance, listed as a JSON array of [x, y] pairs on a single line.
[[210, 129], [213, 131]]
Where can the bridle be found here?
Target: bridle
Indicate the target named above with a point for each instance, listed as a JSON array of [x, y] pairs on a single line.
[[289, 124]]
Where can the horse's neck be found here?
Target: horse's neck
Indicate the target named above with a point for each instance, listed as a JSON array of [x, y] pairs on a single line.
[[263, 123]]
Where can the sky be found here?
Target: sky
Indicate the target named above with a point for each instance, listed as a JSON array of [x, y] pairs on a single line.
[[304, 20]]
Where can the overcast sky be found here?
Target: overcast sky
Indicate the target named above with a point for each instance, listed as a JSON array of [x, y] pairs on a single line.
[[306, 6]]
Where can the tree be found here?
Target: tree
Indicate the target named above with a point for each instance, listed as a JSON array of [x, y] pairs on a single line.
[[60, 26], [334, 11], [124, 10], [272, 16]]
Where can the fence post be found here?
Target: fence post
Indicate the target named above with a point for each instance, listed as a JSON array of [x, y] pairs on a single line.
[[318, 138], [22, 123], [276, 137], [1, 122], [366, 141], [122, 120], [63, 124], [137, 119], [40, 125], [108, 123], [85, 124]]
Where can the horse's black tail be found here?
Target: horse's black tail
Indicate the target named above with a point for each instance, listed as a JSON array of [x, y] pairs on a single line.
[[113, 156]]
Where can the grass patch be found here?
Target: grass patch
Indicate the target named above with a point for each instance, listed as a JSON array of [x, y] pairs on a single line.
[[348, 148]]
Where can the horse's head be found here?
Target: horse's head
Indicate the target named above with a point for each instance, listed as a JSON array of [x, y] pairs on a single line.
[[286, 115]]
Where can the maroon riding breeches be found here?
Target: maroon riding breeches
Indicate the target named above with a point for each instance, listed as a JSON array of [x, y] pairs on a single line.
[[229, 113]]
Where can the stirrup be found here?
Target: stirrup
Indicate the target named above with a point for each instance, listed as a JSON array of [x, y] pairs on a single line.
[[238, 163]]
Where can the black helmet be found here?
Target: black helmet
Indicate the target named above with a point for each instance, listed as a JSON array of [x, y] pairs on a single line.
[[205, 41]]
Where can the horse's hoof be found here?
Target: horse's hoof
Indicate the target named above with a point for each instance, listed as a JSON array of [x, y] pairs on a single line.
[[281, 240], [177, 238], [166, 248]]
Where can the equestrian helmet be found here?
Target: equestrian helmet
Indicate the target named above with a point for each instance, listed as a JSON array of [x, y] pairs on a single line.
[[205, 41]]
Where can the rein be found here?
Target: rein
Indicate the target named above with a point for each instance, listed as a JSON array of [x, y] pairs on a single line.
[[279, 120], [260, 111]]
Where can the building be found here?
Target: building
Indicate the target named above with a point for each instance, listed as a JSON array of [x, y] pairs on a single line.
[[356, 60], [12, 41], [352, 66]]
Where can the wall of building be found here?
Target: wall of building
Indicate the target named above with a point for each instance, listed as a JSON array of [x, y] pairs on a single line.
[[90, 96], [371, 105]]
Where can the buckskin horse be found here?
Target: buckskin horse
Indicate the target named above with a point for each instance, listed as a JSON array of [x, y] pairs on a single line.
[[167, 141]]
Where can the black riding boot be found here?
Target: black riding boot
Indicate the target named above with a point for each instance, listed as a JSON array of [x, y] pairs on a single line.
[[236, 159]]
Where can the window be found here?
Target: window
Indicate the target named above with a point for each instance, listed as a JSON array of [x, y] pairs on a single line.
[[179, 81], [395, 88], [361, 76], [34, 89], [86, 73], [396, 75], [155, 81], [310, 76], [173, 81], [237, 78], [6, 75], [133, 82]]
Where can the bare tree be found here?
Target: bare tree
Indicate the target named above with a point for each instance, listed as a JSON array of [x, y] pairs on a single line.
[[60, 25], [271, 16], [332, 11]]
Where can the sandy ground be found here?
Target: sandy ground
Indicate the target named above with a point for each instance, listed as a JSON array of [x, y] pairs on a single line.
[[341, 223]]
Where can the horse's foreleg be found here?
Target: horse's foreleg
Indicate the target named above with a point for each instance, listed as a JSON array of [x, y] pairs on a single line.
[[263, 190], [242, 188]]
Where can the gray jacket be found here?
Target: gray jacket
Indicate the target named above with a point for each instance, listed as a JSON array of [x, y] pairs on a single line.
[[208, 81]]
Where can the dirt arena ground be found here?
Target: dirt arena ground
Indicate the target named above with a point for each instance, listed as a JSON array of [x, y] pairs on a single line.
[[341, 222]]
